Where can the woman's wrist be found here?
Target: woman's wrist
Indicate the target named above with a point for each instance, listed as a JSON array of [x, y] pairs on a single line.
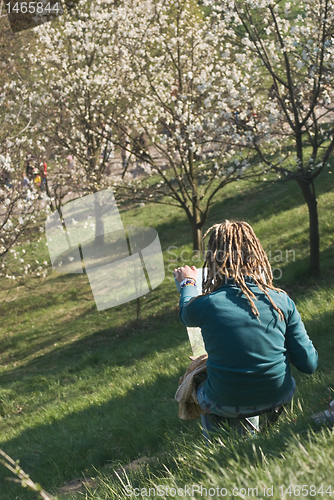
[[187, 281]]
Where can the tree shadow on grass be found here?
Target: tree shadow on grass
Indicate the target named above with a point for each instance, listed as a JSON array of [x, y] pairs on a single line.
[[111, 345], [142, 422], [59, 284], [266, 199], [262, 201], [294, 276], [157, 332], [253, 202], [53, 318]]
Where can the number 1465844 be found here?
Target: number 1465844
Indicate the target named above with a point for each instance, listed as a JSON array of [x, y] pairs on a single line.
[[33, 8]]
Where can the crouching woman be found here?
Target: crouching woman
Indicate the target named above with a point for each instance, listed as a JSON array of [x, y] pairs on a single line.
[[252, 331]]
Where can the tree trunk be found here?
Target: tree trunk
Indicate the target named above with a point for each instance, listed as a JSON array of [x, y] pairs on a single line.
[[138, 309], [197, 227], [195, 217], [99, 226], [308, 191], [197, 238]]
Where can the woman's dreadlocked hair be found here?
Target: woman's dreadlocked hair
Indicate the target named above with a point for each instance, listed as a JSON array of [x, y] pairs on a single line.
[[233, 252]]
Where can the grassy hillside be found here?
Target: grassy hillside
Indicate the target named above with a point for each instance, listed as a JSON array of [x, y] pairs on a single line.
[[83, 392]]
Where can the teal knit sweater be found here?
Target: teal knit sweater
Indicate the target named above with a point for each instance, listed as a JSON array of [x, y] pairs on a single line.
[[248, 358]]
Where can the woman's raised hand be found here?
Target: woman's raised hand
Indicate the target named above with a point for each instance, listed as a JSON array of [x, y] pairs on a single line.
[[185, 272]]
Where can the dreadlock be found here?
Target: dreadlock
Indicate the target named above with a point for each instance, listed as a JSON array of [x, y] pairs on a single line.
[[233, 252]]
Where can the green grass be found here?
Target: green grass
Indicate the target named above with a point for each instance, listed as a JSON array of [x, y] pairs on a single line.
[[83, 392]]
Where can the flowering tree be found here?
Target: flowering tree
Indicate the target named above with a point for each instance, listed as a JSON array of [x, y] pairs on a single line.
[[17, 203], [150, 72], [77, 86], [286, 108], [176, 85], [19, 209]]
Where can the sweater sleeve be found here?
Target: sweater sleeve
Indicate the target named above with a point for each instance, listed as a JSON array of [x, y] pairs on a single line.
[[188, 309], [301, 351]]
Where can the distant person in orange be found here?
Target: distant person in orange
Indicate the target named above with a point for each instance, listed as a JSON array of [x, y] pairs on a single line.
[[44, 176]]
